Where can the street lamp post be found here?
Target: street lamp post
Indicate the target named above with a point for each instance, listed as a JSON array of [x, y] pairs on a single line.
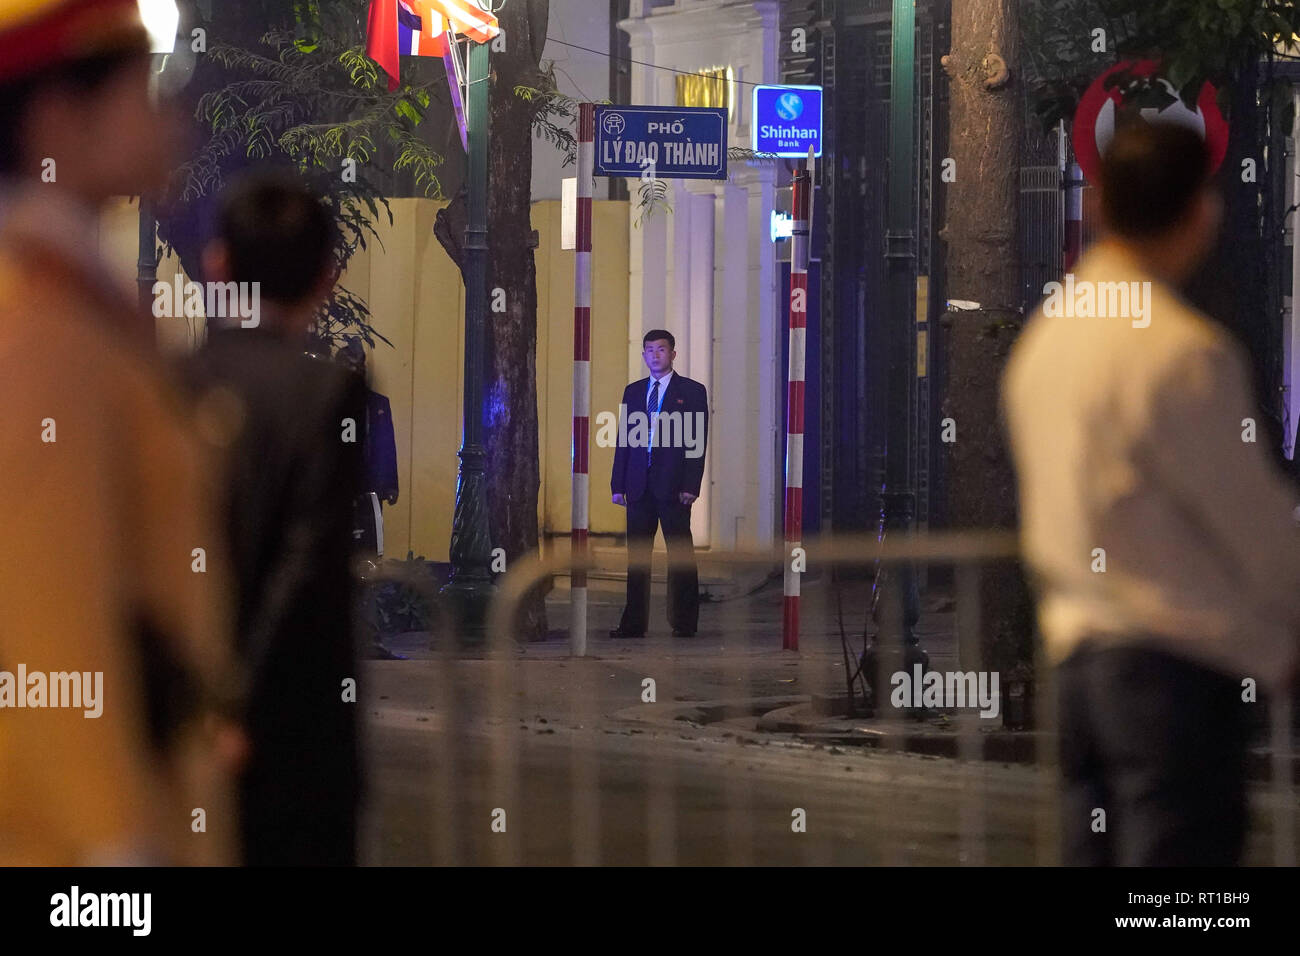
[[470, 587], [897, 502]]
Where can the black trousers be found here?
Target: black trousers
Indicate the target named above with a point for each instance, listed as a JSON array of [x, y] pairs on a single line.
[[1158, 743], [644, 516], [367, 525]]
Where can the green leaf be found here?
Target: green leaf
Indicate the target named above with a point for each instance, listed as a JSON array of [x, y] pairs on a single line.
[[305, 93], [406, 111]]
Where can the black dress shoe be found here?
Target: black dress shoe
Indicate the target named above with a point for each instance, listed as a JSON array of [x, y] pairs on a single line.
[[682, 632], [619, 633]]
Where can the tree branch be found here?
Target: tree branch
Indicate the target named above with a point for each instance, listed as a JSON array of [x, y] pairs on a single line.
[[449, 228]]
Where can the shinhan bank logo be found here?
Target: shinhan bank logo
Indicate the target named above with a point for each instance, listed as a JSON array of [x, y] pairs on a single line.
[[789, 106]]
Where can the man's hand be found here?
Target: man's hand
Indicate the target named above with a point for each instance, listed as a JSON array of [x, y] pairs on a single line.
[[686, 498], [392, 499], [620, 500], [229, 742]]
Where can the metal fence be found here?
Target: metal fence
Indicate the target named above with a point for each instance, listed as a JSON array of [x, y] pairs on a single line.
[[1042, 231], [595, 784]]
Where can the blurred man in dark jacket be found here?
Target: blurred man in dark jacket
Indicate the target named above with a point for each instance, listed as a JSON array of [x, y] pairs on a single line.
[[293, 477]]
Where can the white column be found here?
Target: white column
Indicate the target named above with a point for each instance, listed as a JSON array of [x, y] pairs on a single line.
[[768, 309], [735, 443], [682, 263], [648, 244], [710, 276], [765, 336], [700, 326]]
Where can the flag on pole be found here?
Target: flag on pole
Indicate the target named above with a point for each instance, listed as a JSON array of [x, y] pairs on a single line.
[[465, 17], [422, 28], [381, 39], [413, 37]]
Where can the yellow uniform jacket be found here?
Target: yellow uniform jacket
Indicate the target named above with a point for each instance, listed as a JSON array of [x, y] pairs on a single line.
[[109, 533]]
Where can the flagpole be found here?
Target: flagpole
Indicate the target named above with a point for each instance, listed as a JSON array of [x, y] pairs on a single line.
[[456, 83], [470, 587]]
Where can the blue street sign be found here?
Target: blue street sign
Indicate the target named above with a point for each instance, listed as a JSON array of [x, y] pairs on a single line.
[[679, 142], [787, 120]]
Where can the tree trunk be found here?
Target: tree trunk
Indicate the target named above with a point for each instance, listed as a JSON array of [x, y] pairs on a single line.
[[986, 131], [510, 379]]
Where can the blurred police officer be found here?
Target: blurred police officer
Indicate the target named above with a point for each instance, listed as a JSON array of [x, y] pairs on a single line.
[[111, 558]]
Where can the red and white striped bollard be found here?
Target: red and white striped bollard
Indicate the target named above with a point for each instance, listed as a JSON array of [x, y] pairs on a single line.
[[795, 401], [581, 382]]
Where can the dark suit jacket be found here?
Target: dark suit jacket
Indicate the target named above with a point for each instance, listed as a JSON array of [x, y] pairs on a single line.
[[671, 471], [381, 448]]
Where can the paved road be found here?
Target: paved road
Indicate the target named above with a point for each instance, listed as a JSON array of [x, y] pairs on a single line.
[[587, 771], [727, 801], [595, 784]]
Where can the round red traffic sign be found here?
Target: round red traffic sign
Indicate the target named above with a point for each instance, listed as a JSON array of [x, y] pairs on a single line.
[[1094, 120]]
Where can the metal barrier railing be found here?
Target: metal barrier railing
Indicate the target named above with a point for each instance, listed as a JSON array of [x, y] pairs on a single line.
[[477, 700]]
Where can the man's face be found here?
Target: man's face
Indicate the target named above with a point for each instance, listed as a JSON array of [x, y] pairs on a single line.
[[658, 356], [112, 141]]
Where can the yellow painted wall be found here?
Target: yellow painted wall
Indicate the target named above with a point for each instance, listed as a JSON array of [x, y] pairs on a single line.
[[417, 302], [609, 296], [119, 243]]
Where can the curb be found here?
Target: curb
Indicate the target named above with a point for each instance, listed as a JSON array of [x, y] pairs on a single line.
[[1000, 746]]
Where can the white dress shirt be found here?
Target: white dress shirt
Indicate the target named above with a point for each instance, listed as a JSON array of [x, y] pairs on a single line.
[[1130, 440], [663, 390]]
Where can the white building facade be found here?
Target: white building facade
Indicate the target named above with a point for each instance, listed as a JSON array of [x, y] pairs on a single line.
[[578, 45], [708, 271]]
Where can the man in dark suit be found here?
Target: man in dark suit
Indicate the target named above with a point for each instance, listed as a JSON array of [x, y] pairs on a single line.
[[293, 474], [380, 476], [658, 467]]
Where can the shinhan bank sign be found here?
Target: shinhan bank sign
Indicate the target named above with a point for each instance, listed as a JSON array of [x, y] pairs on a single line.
[[787, 120]]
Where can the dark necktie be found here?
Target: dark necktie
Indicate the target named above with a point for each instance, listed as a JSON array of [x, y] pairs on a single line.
[[652, 408]]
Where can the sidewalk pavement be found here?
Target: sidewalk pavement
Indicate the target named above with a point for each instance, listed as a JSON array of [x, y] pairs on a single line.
[[733, 678]]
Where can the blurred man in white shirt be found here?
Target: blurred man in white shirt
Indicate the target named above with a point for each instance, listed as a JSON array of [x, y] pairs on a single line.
[[1158, 534]]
